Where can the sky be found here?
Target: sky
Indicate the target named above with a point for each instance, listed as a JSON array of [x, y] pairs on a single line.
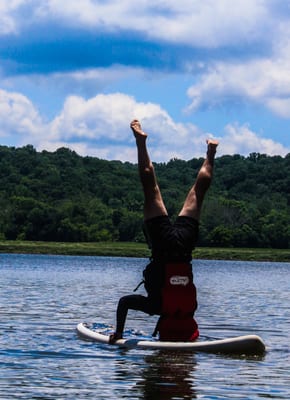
[[75, 73]]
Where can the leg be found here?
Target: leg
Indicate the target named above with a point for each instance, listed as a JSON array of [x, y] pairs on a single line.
[[193, 202], [153, 202], [130, 302]]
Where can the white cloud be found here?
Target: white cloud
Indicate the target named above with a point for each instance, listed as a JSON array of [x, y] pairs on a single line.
[[241, 140], [279, 106], [18, 116], [99, 127], [100, 117], [262, 81], [106, 118], [201, 24], [209, 23], [8, 20], [187, 21]]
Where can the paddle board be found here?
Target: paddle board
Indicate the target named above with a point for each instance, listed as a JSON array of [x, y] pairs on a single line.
[[248, 344]]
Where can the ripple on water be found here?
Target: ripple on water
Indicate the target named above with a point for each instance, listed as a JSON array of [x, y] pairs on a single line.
[[42, 298]]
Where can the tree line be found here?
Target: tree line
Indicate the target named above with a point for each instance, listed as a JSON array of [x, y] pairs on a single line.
[[61, 196]]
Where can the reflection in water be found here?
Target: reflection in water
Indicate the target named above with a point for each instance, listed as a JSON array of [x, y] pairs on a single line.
[[167, 375]]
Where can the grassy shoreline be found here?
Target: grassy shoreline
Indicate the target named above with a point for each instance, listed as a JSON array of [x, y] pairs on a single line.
[[122, 249]]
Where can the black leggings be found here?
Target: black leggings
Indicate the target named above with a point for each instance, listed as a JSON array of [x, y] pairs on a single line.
[[133, 302]]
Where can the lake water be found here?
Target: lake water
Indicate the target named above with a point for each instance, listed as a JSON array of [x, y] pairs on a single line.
[[44, 297]]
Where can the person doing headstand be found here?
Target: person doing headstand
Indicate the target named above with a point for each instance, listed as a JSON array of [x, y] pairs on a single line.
[[169, 242]]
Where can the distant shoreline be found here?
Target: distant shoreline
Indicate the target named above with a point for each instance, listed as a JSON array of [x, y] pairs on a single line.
[[139, 250]]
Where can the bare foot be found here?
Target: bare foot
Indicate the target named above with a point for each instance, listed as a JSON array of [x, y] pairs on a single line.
[[212, 142], [137, 130], [211, 146], [211, 149]]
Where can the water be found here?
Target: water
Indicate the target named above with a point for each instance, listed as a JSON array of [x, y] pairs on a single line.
[[43, 298]]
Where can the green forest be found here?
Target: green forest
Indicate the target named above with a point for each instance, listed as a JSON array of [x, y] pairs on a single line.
[[63, 197]]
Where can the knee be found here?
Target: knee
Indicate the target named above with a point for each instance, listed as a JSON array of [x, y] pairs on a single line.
[[203, 183], [127, 301], [147, 172], [205, 175], [123, 301]]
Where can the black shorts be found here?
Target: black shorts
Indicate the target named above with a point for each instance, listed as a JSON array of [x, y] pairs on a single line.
[[173, 240]]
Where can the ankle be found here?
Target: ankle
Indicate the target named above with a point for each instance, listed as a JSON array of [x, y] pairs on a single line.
[[210, 156]]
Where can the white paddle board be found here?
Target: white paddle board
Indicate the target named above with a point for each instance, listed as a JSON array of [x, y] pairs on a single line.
[[248, 344]]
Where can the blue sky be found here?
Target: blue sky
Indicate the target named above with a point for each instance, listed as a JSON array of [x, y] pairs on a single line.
[[76, 73]]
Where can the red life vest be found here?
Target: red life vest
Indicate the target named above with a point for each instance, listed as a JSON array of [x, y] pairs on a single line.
[[178, 305]]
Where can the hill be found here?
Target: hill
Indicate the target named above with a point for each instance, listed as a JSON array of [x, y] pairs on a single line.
[[61, 196]]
